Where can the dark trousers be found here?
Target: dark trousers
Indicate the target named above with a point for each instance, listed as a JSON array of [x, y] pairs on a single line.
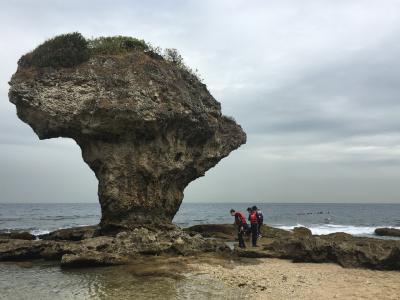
[[254, 234], [240, 238]]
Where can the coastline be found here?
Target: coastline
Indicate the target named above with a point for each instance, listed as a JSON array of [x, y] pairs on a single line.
[[193, 263], [79, 247]]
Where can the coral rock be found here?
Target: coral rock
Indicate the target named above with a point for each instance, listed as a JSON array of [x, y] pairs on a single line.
[[146, 127]]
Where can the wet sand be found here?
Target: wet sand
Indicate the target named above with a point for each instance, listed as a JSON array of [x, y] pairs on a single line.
[[282, 279]]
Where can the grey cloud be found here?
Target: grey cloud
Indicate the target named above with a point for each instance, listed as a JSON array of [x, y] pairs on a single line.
[[348, 98]]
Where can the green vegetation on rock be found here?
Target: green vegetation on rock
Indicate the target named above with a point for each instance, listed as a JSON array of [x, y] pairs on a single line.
[[71, 49], [66, 50], [115, 45]]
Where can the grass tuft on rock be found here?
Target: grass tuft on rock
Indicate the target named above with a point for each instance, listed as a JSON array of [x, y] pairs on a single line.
[[71, 49], [115, 45]]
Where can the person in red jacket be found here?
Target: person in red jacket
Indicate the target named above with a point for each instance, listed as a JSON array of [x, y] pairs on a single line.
[[254, 225], [241, 224]]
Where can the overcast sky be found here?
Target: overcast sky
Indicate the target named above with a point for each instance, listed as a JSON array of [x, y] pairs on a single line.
[[315, 84]]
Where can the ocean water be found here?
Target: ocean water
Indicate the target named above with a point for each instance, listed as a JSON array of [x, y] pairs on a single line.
[[357, 219]]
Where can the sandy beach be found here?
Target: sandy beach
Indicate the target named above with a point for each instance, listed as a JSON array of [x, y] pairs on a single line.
[[282, 279]]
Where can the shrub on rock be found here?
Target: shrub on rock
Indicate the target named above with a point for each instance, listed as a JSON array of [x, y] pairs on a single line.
[[66, 50]]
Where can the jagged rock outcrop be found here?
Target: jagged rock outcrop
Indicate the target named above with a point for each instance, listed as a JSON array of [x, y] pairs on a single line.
[[302, 231], [341, 248], [122, 248], [127, 246], [300, 246], [17, 235], [146, 127]]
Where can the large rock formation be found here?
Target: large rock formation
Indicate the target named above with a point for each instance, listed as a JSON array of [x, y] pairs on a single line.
[[146, 127]]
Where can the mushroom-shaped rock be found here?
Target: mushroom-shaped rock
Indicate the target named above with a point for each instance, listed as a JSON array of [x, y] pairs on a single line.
[[146, 126]]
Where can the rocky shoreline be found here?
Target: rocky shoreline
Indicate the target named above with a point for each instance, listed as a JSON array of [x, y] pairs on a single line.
[[86, 246], [300, 245], [147, 127]]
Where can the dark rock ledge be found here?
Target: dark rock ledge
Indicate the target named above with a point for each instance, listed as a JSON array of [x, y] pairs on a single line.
[[300, 245], [387, 232], [82, 247]]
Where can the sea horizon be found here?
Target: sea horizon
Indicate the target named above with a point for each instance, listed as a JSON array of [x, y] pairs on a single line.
[[219, 202], [321, 218]]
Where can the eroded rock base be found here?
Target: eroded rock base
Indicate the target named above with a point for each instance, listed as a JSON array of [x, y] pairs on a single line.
[[84, 247]]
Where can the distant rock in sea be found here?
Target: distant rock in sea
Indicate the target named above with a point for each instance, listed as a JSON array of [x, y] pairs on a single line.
[[387, 232]]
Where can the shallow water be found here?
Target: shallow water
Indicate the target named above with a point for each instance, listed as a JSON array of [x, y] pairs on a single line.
[[44, 280]]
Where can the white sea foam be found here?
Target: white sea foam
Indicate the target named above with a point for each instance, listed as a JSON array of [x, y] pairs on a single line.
[[39, 232], [43, 231], [332, 228]]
